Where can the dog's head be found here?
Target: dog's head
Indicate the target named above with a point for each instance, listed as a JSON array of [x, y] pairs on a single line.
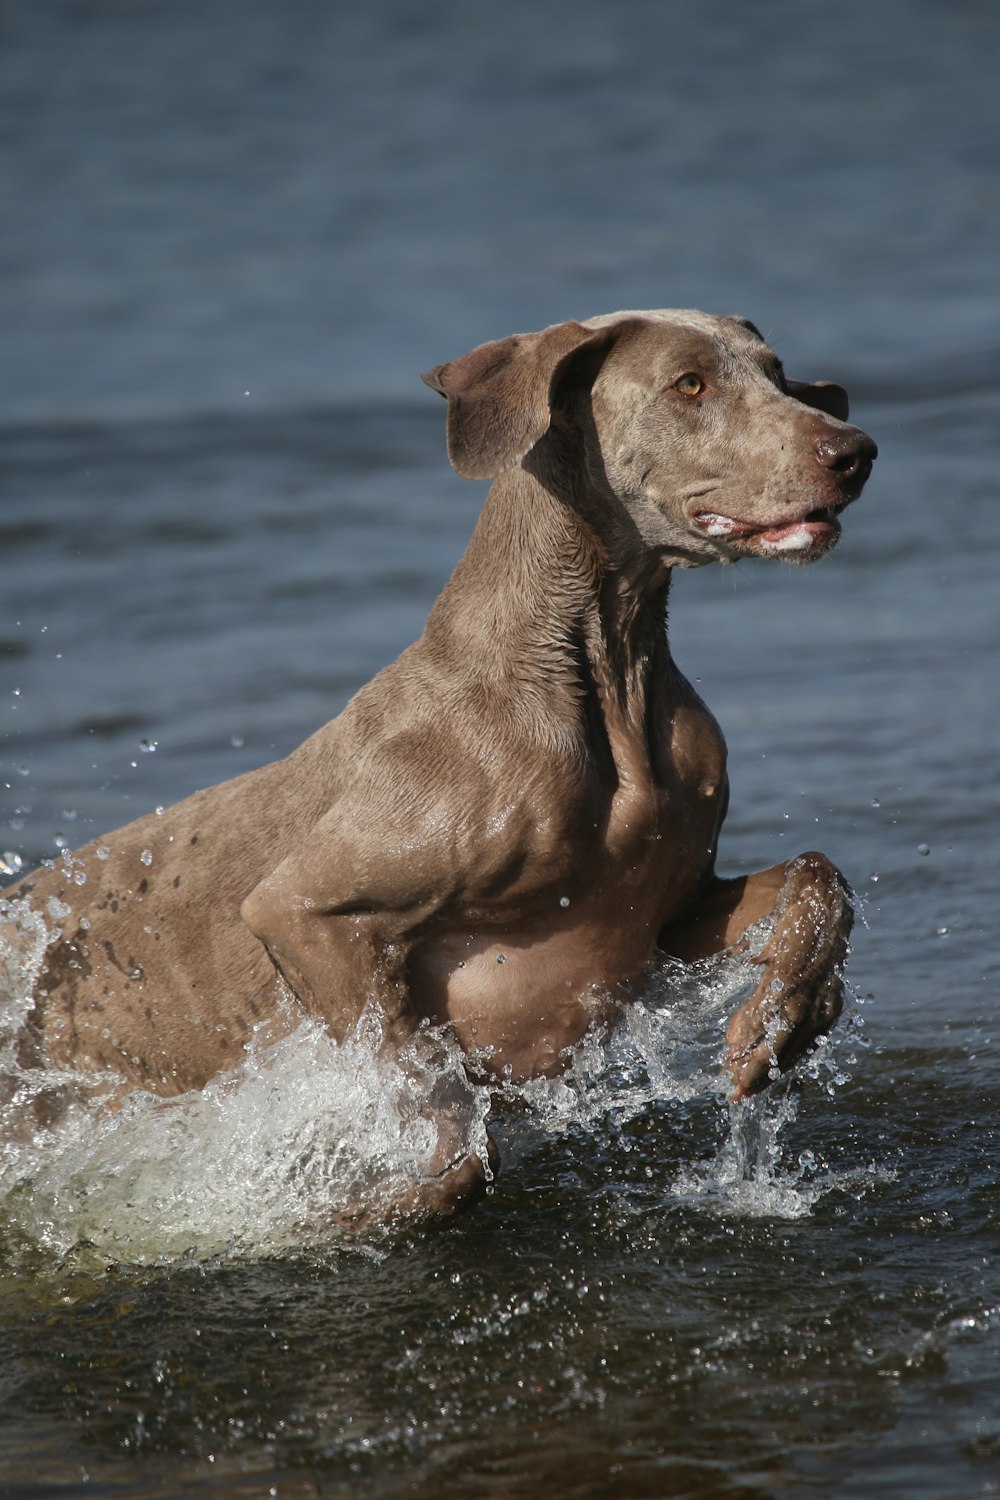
[[687, 421]]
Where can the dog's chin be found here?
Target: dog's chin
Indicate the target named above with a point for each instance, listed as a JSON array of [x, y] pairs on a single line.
[[803, 540]]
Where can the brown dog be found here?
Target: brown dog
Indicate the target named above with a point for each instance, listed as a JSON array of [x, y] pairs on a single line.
[[502, 828]]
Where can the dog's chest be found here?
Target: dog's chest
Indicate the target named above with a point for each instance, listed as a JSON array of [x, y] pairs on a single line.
[[548, 937], [664, 816], [633, 842]]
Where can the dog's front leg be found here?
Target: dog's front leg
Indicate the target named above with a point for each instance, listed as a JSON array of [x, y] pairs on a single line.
[[437, 1196], [800, 991], [336, 959], [341, 955]]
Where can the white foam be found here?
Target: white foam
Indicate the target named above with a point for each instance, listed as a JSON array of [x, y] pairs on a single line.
[[718, 525], [796, 540]]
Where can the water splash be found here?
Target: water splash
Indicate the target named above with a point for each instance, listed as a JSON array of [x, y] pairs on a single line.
[[280, 1152], [756, 1173], [285, 1149], [667, 1046], [748, 1177], [24, 938], [276, 1154]]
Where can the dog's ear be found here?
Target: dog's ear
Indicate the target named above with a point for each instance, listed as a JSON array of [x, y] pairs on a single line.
[[500, 395], [823, 395]]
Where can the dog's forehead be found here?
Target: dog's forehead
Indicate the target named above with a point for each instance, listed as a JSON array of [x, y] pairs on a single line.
[[732, 339]]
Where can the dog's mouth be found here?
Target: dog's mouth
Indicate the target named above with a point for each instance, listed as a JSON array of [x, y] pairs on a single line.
[[809, 535]]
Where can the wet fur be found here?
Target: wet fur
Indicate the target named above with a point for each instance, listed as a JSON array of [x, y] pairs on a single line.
[[505, 825]]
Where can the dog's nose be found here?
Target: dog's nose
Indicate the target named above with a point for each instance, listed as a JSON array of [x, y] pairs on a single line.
[[848, 451]]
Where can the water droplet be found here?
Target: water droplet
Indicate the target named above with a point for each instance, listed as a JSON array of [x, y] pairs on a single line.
[[923, 848], [103, 852], [501, 958], [563, 900], [10, 863], [70, 814], [159, 810], [146, 856], [876, 802], [236, 741], [147, 747], [873, 879], [941, 931]]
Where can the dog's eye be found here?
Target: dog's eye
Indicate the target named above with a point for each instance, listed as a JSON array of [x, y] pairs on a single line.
[[689, 384]]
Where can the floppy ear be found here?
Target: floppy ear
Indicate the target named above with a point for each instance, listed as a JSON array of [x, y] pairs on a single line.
[[500, 395], [824, 395]]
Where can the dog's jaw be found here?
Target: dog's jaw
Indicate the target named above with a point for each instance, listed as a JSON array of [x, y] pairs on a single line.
[[801, 538]]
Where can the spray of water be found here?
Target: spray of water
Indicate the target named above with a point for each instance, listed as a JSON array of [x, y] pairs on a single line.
[[289, 1147]]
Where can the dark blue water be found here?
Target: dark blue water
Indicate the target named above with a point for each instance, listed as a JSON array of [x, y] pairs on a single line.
[[232, 236]]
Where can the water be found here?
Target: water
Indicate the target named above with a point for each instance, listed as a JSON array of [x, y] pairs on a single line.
[[232, 239]]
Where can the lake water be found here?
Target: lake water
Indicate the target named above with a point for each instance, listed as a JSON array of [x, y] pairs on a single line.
[[232, 236]]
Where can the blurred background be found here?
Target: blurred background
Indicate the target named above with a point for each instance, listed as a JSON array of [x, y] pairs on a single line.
[[310, 201], [232, 234]]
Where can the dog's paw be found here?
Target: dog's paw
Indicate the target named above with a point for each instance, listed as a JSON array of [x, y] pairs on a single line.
[[775, 1027]]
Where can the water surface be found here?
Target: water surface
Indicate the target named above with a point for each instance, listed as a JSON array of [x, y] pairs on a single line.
[[226, 504]]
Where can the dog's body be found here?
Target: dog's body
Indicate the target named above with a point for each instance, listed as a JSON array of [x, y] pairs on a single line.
[[502, 827]]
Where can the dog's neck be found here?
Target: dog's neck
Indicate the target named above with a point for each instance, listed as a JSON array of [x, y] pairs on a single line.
[[552, 597]]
